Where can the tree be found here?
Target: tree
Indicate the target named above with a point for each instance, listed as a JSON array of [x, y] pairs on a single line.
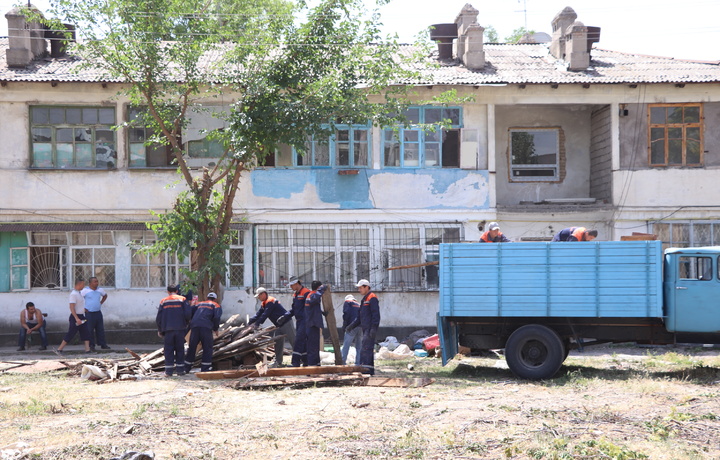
[[175, 56], [491, 35], [517, 34]]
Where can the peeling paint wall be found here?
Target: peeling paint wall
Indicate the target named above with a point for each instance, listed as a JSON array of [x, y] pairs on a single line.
[[369, 189]]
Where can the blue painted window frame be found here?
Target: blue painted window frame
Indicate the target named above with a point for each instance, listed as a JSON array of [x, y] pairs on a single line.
[[415, 136], [311, 155]]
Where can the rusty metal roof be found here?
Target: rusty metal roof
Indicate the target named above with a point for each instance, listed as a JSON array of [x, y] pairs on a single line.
[[505, 64]]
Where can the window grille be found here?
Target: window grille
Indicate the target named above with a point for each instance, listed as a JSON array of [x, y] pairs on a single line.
[[153, 270], [341, 254], [687, 234]]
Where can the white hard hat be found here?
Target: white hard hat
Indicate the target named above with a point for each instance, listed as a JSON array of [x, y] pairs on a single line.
[[259, 291]]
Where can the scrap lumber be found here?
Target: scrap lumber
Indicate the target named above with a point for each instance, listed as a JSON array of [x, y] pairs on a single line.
[[299, 382], [234, 342], [280, 372], [417, 382], [332, 324], [402, 267]]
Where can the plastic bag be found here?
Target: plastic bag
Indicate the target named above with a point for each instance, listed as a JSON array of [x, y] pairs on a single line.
[[89, 372], [390, 343]]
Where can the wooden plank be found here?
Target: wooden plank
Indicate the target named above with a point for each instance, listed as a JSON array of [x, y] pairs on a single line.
[[332, 324], [638, 238], [417, 382], [401, 267], [299, 382], [133, 354], [280, 372]]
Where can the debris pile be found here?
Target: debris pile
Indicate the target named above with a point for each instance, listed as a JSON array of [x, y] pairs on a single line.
[[235, 345]]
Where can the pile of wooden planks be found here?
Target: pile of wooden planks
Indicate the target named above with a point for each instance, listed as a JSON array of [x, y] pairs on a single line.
[[236, 344]]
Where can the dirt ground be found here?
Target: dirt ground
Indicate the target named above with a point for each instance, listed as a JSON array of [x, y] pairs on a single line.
[[609, 402]]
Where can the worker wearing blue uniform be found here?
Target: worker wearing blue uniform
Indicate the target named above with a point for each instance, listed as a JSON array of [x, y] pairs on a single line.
[[270, 308], [351, 310], [204, 324], [575, 234], [172, 318], [299, 356], [314, 322], [369, 320], [494, 235]]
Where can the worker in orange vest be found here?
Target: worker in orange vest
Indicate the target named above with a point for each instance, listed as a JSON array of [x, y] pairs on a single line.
[[575, 234], [494, 235]]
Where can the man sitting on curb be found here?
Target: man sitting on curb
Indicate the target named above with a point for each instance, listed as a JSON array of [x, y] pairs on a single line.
[[31, 320]]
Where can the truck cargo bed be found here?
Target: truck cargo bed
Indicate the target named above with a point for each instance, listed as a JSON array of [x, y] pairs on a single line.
[[611, 279]]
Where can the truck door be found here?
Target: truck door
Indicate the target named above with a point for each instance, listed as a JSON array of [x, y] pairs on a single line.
[[697, 294]]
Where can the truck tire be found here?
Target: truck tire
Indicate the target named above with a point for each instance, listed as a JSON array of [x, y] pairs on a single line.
[[534, 352]]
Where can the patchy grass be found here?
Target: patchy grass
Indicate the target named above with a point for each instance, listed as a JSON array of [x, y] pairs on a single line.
[[601, 405]]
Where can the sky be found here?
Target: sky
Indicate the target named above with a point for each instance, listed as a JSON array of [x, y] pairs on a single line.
[[688, 29]]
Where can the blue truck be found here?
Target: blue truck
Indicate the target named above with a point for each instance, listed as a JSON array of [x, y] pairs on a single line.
[[539, 300]]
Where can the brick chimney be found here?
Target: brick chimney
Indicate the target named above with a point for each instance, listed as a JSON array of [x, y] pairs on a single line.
[[470, 38], [572, 40], [26, 40]]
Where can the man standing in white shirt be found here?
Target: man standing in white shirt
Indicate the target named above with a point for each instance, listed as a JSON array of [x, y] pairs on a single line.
[[94, 298], [77, 321]]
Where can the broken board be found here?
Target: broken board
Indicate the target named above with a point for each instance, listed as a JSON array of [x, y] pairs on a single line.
[[279, 372]]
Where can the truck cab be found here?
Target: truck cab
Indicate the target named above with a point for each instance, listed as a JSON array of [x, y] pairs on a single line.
[[691, 287]]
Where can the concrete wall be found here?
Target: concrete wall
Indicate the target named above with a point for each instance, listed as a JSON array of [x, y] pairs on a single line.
[[468, 195], [601, 155], [575, 122], [130, 313], [634, 137]]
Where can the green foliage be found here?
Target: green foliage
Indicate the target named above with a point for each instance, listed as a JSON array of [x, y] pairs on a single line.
[[491, 35], [517, 34], [288, 79]]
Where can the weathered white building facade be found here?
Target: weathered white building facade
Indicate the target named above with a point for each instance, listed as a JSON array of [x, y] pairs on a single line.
[[558, 134]]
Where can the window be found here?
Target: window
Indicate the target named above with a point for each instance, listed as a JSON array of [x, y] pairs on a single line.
[[415, 147], [236, 260], [93, 254], [687, 234], [153, 270], [205, 148], [73, 137], [341, 254], [142, 154], [695, 268], [48, 260], [19, 269], [675, 134], [535, 154], [349, 147], [58, 258]]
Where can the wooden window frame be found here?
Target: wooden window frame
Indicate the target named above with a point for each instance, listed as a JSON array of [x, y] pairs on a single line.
[[683, 126]]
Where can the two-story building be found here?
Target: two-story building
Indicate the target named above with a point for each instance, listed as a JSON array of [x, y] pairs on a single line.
[[557, 134]]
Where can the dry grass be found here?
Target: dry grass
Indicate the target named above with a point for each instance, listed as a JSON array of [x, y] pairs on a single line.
[[620, 404]]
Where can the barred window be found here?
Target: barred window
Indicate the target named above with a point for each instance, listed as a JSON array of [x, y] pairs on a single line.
[[236, 260], [687, 234], [96, 261], [341, 254], [153, 270]]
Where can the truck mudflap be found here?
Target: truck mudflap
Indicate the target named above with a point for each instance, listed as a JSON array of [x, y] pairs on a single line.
[[447, 330]]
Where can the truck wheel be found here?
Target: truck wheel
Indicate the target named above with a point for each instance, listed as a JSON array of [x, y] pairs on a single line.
[[534, 352]]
